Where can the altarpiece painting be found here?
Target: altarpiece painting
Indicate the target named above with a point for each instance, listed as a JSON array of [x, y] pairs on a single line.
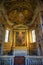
[[20, 38]]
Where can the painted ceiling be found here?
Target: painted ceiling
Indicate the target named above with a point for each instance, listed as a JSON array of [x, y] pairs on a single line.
[[20, 11]]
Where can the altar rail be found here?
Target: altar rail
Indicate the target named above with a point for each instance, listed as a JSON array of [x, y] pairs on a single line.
[[34, 60], [29, 60]]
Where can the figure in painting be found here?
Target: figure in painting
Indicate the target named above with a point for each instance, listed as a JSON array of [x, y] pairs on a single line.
[[20, 39]]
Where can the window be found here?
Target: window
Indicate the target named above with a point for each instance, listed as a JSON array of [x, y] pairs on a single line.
[[33, 36], [7, 36]]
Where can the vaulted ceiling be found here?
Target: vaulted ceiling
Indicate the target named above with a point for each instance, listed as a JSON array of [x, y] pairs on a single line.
[[20, 11]]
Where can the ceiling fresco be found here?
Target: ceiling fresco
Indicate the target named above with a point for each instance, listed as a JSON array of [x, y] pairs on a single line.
[[20, 11]]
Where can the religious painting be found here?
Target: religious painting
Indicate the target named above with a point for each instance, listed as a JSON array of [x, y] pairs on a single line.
[[20, 38]]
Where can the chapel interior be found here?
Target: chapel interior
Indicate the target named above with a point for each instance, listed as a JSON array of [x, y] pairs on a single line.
[[21, 32]]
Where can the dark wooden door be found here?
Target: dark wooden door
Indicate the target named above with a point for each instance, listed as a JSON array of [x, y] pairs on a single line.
[[19, 60]]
